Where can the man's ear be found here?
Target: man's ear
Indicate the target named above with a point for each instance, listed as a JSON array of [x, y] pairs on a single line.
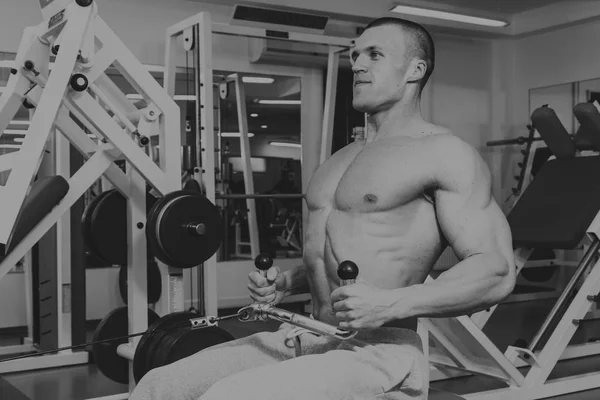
[[416, 70]]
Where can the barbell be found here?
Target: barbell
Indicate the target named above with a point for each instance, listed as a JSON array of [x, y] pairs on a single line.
[[242, 196], [183, 228]]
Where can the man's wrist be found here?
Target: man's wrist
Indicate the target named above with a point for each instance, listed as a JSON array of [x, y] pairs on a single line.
[[402, 306]]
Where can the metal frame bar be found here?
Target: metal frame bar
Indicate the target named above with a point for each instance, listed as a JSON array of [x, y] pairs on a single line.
[[63, 254], [535, 384], [55, 101], [333, 62], [221, 196], [247, 167], [26, 162], [207, 137]]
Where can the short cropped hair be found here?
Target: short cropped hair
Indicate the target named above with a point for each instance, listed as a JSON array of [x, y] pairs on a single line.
[[420, 42]]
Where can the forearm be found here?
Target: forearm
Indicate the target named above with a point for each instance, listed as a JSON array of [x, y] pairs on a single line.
[[474, 284], [296, 281]]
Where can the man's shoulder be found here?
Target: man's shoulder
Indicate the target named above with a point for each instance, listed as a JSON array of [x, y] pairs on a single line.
[[456, 160], [445, 143]]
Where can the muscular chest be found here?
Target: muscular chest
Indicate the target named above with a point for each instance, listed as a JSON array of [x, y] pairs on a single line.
[[375, 177]]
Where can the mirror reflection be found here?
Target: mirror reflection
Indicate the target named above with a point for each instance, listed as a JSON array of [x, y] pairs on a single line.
[[272, 115], [272, 105]]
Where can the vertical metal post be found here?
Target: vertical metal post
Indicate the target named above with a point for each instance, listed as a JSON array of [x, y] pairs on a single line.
[[137, 268], [329, 109], [247, 165], [207, 142], [197, 274], [63, 230], [170, 301]]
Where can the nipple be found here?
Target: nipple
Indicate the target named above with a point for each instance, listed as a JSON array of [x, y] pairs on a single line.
[[370, 198]]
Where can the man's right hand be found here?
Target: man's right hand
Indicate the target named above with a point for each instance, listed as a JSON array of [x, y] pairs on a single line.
[[271, 289]]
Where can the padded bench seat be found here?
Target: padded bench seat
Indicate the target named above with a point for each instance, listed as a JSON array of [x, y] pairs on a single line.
[[44, 194], [558, 206]]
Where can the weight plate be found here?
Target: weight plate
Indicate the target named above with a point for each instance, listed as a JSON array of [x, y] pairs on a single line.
[[86, 223], [114, 325], [149, 342], [160, 340], [151, 236], [161, 353], [105, 226], [184, 343], [167, 230], [108, 224], [192, 185], [152, 228], [154, 282]]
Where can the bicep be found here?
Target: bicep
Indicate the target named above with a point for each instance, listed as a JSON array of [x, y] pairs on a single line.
[[473, 224]]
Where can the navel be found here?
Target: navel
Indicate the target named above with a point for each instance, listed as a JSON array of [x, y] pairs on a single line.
[[370, 198]]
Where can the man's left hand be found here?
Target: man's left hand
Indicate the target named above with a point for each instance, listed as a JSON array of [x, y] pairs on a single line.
[[362, 306]]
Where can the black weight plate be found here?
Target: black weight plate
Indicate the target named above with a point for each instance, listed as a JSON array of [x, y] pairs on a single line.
[[192, 185], [108, 228], [191, 250], [158, 344], [154, 282], [151, 237], [167, 227], [142, 361], [108, 210], [139, 359], [161, 353], [86, 223], [183, 344], [114, 325]]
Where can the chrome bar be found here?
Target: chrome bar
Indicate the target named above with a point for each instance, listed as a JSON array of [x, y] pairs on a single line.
[[260, 196]]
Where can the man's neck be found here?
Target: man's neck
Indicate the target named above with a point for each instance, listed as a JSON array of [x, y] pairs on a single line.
[[394, 121]]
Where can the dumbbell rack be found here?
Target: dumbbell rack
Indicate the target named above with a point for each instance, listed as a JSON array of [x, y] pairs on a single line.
[[79, 87]]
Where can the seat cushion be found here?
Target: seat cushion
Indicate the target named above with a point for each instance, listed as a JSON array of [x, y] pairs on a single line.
[[558, 206], [44, 194]]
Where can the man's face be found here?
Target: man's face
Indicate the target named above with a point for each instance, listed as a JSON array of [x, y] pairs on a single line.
[[379, 64]]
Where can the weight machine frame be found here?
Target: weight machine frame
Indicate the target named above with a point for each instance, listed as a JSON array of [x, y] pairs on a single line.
[[466, 350], [89, 47], [206, 131], [205, 127]]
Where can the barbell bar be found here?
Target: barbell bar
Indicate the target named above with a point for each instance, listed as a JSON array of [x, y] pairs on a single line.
[[259, 196], [518, 140]]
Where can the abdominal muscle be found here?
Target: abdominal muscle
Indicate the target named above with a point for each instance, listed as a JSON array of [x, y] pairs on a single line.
[[392, 249]]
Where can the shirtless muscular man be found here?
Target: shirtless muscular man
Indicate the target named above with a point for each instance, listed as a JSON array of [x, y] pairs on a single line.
[[391, 203]]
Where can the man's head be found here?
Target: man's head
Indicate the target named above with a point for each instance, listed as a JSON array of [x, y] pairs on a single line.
[[391, 60]]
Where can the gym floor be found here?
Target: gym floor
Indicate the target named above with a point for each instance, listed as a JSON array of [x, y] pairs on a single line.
[[85, 381]]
